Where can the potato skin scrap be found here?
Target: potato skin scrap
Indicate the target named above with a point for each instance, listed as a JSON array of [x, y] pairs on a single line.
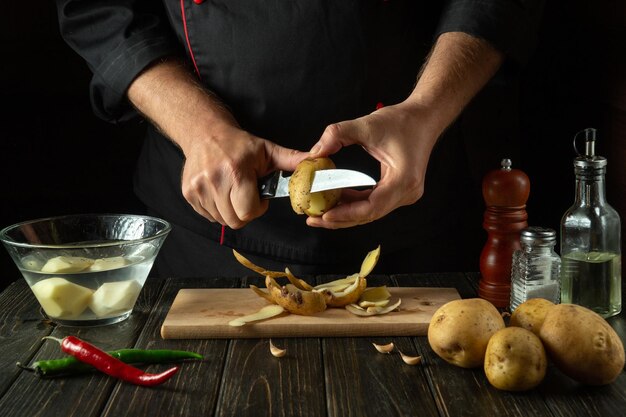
[[344, 298], [302, 200], [294, 300]]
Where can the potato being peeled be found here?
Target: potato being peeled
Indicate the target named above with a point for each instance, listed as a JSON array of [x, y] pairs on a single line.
[[582, 344], [303, 201], [460, 330], [515, 359]]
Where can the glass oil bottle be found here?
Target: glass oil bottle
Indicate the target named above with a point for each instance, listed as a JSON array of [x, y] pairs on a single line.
[[590, 238]]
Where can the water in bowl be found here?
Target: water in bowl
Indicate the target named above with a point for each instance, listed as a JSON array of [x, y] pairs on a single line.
[[83, 290]]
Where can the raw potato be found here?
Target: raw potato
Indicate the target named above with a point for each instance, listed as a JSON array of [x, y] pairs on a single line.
[[302, 200], [114, 298], [460, 330], [66, 265], [582, 344], [61, 298], [106, 264], [515, 359], [531, 314]]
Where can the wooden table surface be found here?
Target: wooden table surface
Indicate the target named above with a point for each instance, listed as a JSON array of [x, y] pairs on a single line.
[[239, 377]]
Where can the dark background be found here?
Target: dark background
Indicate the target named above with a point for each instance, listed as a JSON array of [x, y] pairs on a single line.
[[58, 158]]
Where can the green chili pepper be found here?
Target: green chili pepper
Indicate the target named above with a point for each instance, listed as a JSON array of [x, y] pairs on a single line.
[[71, 365]]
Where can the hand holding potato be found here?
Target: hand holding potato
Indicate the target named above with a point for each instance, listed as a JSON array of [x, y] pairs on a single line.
[[399, 138]]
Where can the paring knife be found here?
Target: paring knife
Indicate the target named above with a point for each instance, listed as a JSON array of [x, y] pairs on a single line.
[[275, 185]]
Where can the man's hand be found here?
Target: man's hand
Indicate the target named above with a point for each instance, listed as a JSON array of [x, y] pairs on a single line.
[[401, 137], [222, 162]]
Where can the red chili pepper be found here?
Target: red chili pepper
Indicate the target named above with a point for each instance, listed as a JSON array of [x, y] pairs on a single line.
[[99, 359]]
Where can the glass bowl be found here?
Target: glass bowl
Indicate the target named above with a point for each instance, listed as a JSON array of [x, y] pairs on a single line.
[[86, 269]]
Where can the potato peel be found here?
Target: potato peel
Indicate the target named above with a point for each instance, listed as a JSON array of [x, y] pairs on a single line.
[[256, 268], [370, 261], [348, 296], [294, 300], [262, 294], [340, 284], [299, 283], [359, 311], [264, 313]]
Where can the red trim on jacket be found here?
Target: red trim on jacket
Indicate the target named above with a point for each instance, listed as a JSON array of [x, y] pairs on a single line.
[[193, 58]]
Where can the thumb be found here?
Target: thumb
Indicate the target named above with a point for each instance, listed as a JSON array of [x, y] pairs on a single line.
[[335, 137], [286, 159]]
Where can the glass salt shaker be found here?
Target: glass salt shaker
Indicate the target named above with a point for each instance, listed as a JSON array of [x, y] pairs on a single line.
[[535, 268]]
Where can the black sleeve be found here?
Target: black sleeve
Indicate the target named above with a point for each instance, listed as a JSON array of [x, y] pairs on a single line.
[[117, 39], [509, 25]]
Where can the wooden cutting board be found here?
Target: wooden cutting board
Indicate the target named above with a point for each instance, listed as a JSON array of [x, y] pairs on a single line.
[[204, 313]]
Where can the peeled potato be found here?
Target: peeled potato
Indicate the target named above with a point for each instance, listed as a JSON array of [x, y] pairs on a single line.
[[61, 298], [114, 297], [66, 265], [302, 200]]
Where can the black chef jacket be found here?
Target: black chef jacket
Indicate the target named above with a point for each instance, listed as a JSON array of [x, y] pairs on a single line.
[[287, 69]]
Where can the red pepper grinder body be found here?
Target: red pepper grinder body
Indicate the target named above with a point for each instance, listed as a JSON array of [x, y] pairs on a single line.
[[505, 192]]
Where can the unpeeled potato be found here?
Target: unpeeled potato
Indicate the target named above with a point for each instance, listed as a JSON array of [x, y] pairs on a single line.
[[515, 359], [460, 330], [582, 344], [303, 201], [531, 314]]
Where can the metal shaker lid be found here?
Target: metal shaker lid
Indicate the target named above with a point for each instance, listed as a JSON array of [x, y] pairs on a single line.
[[538, 236]]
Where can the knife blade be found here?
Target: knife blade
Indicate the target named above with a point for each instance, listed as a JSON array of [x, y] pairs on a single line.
[[275, 185]]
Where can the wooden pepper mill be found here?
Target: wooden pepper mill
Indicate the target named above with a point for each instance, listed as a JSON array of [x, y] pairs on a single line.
[[505, 192]]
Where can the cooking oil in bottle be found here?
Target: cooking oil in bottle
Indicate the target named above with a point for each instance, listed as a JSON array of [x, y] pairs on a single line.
[[590, 239], [594, 280]]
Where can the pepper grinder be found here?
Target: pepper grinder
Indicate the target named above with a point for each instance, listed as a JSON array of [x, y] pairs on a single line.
[[505, 192]]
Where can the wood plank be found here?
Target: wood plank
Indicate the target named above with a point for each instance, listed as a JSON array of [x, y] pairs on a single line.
[[22, 326], [81, 395], [193, 391], [360, 381], [566, 397], [255, 383], [205, 313]]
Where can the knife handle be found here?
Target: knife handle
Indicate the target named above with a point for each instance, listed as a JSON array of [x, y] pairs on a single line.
[[268, 185]]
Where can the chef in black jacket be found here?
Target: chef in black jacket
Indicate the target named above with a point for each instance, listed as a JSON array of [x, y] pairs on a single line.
[[236, 89]]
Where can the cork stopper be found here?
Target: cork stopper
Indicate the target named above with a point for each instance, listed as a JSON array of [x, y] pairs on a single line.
[[506, 187]]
